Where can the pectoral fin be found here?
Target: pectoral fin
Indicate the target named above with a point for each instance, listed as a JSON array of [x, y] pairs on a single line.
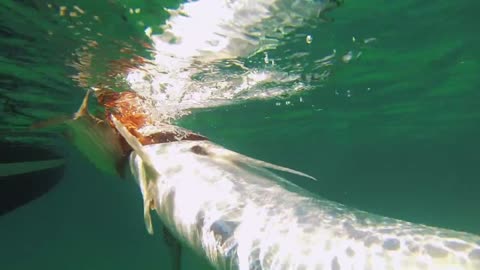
[[147, 175], [236, 157], [62, 119], [132, 141], [147, 217], [148, 202]]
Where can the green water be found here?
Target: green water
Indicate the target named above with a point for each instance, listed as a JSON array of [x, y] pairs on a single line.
[[394, 132]]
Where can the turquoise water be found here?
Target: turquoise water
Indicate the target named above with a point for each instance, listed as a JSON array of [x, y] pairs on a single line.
[[393, 132]]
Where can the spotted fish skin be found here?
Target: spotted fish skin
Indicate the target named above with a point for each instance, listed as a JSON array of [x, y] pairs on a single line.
[[241, 216]]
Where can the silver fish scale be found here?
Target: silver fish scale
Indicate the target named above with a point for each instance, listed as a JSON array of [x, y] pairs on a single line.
[[241, 216]]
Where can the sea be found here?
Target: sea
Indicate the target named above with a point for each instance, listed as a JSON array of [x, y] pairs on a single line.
[[379, 100]]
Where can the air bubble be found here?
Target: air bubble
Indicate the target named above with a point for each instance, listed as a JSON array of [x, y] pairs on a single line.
[[308, 39]]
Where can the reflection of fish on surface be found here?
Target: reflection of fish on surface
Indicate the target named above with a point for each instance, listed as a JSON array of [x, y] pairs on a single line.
[[93, 137], [96, 140], [238, 215]]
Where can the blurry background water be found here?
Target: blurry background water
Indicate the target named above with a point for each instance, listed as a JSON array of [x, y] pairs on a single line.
[[386, 116]]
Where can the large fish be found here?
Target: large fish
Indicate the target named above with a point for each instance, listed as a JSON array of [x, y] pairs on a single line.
[[237, 214]]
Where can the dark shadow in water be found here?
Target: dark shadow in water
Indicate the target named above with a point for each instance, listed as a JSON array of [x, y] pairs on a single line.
[[18, 189]]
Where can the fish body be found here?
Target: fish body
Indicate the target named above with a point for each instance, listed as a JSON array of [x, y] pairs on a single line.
[[236, 213], [240, 215]]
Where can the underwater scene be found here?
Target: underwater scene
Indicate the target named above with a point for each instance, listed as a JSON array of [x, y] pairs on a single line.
[[378, 101]]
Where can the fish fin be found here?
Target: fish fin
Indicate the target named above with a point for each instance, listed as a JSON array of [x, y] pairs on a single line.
[[234, 156], [147, 217], [137, 147], [132, 141], [83, 110], [147, 201], [146, 175], [59, 120]]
